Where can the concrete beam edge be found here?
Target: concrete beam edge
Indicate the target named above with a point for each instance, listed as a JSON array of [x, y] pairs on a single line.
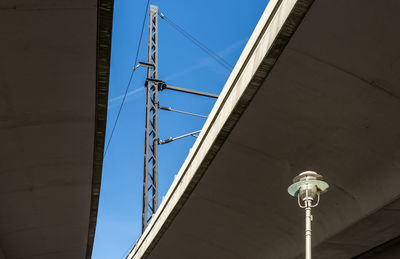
[[103, 53]]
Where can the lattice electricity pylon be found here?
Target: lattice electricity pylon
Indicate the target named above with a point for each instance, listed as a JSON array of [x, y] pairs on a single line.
[[150, 174], [153, 86]]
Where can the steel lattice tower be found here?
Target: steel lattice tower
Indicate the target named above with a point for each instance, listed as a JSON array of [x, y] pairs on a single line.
[[150, 174]]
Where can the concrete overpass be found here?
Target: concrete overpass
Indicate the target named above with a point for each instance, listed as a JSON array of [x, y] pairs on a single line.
[[54, 66], [317, 87]]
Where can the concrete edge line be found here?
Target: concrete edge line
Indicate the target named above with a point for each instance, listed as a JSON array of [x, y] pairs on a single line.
[[271, 35], [105, 9], [371, 253]]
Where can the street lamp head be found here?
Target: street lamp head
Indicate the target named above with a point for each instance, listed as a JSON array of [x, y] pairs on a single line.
[[308, 186]]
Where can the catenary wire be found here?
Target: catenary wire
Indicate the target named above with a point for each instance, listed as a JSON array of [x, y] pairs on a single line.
[[130, 80], [202, 46]]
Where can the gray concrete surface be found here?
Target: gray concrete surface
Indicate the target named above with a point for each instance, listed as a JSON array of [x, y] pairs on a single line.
[[389, 249], [331, 103], [47, 127]]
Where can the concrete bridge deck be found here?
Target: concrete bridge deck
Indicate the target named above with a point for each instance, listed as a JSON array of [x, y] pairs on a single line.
[[53, 96], [317, 93]]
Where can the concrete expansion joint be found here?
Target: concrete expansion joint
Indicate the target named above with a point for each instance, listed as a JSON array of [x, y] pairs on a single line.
[[372, 83]]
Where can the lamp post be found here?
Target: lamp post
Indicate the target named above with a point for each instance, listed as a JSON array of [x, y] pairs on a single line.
[[307, 188]]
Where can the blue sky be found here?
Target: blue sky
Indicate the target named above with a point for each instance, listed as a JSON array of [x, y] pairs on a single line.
[[224, 26]]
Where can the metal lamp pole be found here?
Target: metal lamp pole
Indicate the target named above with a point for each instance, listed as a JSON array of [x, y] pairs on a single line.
[[307, 187]]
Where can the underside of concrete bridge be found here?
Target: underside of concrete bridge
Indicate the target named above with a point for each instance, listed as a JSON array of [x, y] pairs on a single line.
[[316, 88], [54, 66]]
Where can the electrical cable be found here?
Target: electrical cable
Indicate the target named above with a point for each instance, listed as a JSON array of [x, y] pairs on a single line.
[[130, 80], [202, 46]]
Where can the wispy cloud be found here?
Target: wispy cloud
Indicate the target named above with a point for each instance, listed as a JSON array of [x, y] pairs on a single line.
[[206, 61], [122, 96], [115, 101]]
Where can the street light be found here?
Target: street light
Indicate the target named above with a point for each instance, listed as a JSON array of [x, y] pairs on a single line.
[[307, 187]]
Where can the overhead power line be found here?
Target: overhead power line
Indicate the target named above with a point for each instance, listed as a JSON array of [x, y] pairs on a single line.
[[199, 44], [130, 78]]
